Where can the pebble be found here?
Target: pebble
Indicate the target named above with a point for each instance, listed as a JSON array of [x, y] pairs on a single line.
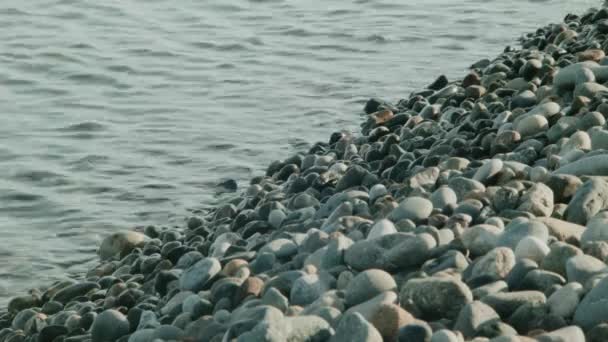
[[109, 326], [119, 244], [531, 248], [367, 285], [196, 277], [412, 208], [435, 297], [564, 301], [353, 327], [472, 316], [532, 125]]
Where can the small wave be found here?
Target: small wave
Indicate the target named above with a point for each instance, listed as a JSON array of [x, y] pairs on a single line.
[[89, 126], [157, 186], [376, 38], [60, 57], [298, 32], [81, 46], [21, 197], [42, 177], [95, 79]]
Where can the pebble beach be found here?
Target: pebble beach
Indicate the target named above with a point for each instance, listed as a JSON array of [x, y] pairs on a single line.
[[476, 209]]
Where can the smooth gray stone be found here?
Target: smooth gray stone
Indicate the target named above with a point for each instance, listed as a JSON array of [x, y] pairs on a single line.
[[354, 328], [412, 208], [367, 285], [505, 303], [473, 315], [195, 278], [520, 228], [109, 326], [589, 199], [568, 334], [581, 268], [435, 297], [587, 166]]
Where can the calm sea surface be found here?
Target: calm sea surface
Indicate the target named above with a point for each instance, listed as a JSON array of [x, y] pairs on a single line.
[[120, 113]]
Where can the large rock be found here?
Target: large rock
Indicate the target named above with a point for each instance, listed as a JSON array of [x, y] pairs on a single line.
[[120, 244], [196, 277], [581, 268], [531, 248], [306, 328], [593, 308], [589, 200], [435, 297], [472, 316], [597, 229], [538, 200], [568, 334], [520, 228], [495, 265], [564, 301], [587, 166], [109, 326], [490, 169], [412, 208], [559, 253], [480, 239], [505, 303], [390, 252], [353, 327], [368, 284], [563, 230], [531, 125], [310, 287]]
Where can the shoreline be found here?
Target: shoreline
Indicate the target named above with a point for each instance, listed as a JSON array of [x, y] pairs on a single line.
[[465, 212]]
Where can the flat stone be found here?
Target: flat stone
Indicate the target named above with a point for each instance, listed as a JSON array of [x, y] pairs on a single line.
[[505, 303], [367, 285], [589, 166], [563, 230], [196, 277], [592, 309], [518, 229], [80, 289], [390, 252], [281, 248]]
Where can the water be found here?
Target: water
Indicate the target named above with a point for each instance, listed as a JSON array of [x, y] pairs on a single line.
[[123, 113]]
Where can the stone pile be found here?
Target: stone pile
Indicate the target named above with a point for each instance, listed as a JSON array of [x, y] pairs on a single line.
[[474, 210]]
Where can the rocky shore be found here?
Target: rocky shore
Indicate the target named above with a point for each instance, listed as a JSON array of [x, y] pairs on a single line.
[[474, 210]]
